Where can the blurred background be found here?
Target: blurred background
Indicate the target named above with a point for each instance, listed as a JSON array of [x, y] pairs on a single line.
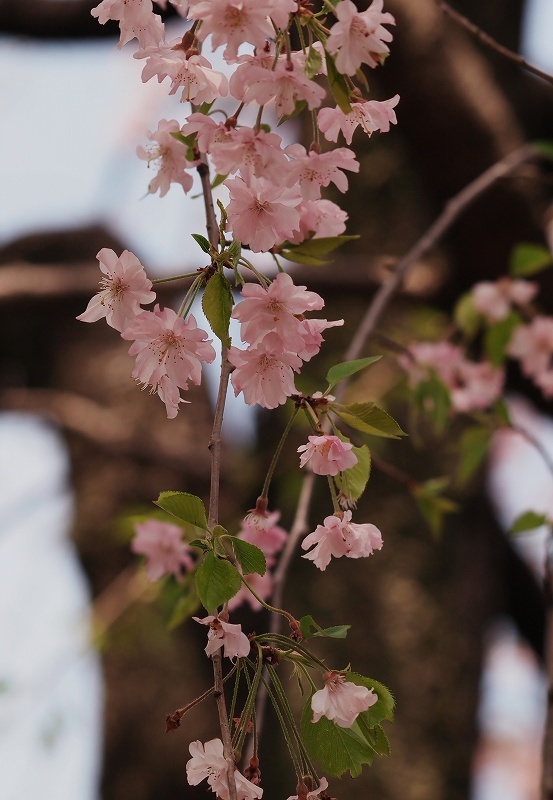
[[454, 625]]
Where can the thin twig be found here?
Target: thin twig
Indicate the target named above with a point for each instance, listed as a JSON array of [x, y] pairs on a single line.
[[490, 42]]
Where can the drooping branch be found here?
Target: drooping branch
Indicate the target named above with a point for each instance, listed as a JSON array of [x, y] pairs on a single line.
[[490, 42]]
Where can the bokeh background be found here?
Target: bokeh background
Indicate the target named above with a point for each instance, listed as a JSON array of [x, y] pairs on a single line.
[[453, 625]]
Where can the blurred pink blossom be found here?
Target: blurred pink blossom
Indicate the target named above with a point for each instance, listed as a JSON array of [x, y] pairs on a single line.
[[162, 544]]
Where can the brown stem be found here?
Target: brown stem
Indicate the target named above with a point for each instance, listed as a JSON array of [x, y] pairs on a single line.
[[394, 472], [490, 42]]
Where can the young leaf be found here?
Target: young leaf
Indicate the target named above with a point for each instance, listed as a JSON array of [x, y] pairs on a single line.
[[353, 481], [217, 305], [250, 557], [218, 180], [433, 506], [346, 369], [338, 85], [473, 447], [529, 259], [299, 257], [467, 318], [384, 706], [300, 105], [184, 506], [337, 749], [528, 521], [217, 581], [369, 418], [202, 241], [309, 629], [498, 336], [313, 63]]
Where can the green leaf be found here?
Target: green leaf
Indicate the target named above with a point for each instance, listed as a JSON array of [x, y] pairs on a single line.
[[235, 250], [198, 543], [375, 737], [384, 706], [346, 369], [309, 629], [528, 521], [498, 336], [432, 506], [432, 398], [352, 482], [299, 106], [189, 140], [302, 258], [338, 85], [218, 180], [217, 305], [185, 506], [315, 248], [217, 581], [369, 418], [337, 749], [473, 447], [529, 259], [313, 63], [187, 604], [250, 557], [203, 242], [467, 318]]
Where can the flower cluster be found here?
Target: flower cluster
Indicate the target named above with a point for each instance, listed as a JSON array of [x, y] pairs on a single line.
[[338, 537], [208, 762], [533, 345]]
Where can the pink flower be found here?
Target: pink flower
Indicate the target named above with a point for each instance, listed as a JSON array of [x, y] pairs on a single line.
[[275, 310], [232, 22], [358, 37], [321, 218], [199, 82], [262, 530], [209, 762], [208, 131], [311, 334], [180, 5], [262, 214], [533, 345], [283, 85], [169, 353], [162, 544], [341, 701], [169, 155], [338, 537], [314, 794], [327, 455], [222, 634], [136, 19], [494, 300], [264, 373], [373, 115], [477, 386], [313, 170], [254, 153], [122, 291]]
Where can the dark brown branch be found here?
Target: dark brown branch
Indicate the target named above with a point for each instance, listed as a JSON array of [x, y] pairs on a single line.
[[490, 42]]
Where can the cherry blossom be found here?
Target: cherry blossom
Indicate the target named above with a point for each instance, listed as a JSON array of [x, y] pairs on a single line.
[[123, 289], [314, 794], [181, 6], [262, 214], [206, 129], [311, 335], [169, 155], [327, 455], [275, 309], [264, 373], [208, 761], [313, 170], [162, 544], [136, 19], [254, 153], [321, 218], [283, 85], [200, 83], [341, 701], [533, 345], [372, 115], [169, 352], [242, 75], [359, 37], [495, 300], [226, 635], [338, 537], [262, 530]]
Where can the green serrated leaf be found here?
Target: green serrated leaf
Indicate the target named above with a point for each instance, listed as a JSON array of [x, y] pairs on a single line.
[[314, 248], [467, 318], [198, 543], [369, 418], [203, 242], [250, 557], [375, 737], [300, 258], [529, 259], [337, 749], [498, 336], [352, 482], [528, 521], [346, 369], [217, 305], [299, 106], [185, 506], [384, 706], [338, 85], [217, 581], [218, 530], [235, 250], [313, 63], [473, 447]]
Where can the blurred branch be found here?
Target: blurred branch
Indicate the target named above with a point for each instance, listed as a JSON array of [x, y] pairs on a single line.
[[490, 42]]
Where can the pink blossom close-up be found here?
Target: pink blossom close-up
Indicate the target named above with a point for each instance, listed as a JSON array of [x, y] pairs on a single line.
[[338, 537], [263, 531], [264, 373], [315, 170], [229, 636], [169, 156], [372, 115], [327, 455], [341, 701], [261, 214], [123, 289], [359, 37], [162, 544], [136, 19], [208, 763]]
